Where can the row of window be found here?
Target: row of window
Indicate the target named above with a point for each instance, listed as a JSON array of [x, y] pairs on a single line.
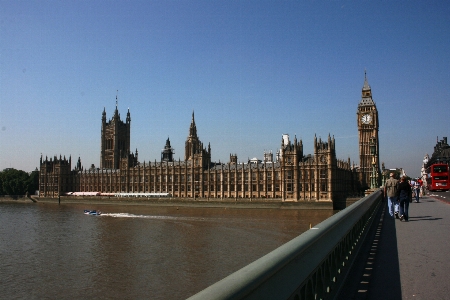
[[289, 187], [212, 177], [160, 178]]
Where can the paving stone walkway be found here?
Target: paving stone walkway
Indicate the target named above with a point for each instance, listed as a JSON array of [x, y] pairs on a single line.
[[405, 260]]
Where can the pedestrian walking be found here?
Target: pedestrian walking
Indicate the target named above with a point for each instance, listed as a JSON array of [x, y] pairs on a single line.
[[404, 195], [422, 192], [390, 192], [417, 190]]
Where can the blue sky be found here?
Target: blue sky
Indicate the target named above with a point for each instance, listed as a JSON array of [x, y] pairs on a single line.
[[251, 71]]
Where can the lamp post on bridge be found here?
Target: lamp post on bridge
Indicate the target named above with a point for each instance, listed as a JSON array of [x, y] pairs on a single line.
[[373, 179]]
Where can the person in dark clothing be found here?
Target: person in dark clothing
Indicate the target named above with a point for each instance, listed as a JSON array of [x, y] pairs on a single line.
[[404, 195]]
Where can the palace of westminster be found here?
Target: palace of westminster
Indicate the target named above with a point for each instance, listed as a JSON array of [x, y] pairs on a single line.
[[291, 176]]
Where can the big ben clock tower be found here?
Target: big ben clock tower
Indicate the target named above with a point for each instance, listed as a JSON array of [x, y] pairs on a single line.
[[367, 119]]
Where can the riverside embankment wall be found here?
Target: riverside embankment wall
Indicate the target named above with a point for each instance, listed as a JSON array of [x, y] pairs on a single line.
[[197, 202]]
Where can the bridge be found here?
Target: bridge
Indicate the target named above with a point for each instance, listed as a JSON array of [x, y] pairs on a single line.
[[359, 253]]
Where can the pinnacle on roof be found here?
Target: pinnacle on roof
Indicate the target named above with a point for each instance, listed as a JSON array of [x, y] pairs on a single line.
[[193, 128], [366, 99], [366, 86]]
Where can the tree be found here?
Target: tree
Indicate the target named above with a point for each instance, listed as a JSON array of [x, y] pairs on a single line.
[[16, 182], [33, 182]]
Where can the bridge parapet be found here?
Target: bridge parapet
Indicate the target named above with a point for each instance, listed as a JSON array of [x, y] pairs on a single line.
[[310, 266]]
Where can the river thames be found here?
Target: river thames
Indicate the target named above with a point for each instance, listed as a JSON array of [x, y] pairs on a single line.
[[51, 251]]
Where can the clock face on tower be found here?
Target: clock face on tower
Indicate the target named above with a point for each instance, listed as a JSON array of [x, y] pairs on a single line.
[[366, 119]]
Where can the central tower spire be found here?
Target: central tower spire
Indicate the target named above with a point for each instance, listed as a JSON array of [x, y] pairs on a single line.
[[115, 139], [193, 144], [193, 128]]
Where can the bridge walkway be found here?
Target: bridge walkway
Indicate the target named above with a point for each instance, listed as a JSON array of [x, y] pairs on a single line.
[[405, 260]]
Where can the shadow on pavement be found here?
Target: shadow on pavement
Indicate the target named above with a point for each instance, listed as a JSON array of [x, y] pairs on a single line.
[[423, 218], [376, 272]]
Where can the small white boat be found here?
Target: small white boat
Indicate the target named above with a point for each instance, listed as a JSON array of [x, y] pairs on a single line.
[[92, 212]]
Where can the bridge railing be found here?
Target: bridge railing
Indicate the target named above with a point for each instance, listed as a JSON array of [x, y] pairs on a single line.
[[310, 266]]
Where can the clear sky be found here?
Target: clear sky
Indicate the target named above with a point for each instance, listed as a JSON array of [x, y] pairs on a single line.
[[251, 71]]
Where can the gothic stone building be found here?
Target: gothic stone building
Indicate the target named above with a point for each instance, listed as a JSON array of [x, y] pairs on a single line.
[[293, 176], [368, 126]]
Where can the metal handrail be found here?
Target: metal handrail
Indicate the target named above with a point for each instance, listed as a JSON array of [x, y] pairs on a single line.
[[310, 266]]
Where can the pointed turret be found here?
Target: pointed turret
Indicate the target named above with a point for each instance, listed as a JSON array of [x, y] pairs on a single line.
[[192, 145], [128, 120], [167, 152], [193, 127], [79, 164], [315, 143], [366, 86], [366, 93], [116, 112]]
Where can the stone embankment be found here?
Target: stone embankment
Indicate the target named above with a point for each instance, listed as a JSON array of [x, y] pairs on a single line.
[[198, 202], [16, 198]]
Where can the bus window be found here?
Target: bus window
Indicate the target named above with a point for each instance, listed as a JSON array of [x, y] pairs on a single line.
[[439, 169]]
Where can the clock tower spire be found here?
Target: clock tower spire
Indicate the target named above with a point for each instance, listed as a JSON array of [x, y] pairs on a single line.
[[367, 120]]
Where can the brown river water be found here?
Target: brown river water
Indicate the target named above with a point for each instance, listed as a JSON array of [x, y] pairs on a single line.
[[51, 251]]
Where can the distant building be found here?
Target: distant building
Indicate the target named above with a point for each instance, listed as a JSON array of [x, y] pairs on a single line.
[[294, 176], [441, 153]]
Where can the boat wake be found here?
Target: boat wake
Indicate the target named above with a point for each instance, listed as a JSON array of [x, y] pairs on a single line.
[[126, 215]]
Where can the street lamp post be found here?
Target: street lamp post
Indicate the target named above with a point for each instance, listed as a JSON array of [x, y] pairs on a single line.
[[373, 153]]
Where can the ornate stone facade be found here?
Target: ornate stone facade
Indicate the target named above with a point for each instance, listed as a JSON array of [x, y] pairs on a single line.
[[115, 139], [367, 120], [293, 176]]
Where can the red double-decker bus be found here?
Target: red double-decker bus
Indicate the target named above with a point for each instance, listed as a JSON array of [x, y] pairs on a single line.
[[437, 177]]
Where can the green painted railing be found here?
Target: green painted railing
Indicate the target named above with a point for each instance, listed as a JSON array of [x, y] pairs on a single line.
[[311, 266]]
